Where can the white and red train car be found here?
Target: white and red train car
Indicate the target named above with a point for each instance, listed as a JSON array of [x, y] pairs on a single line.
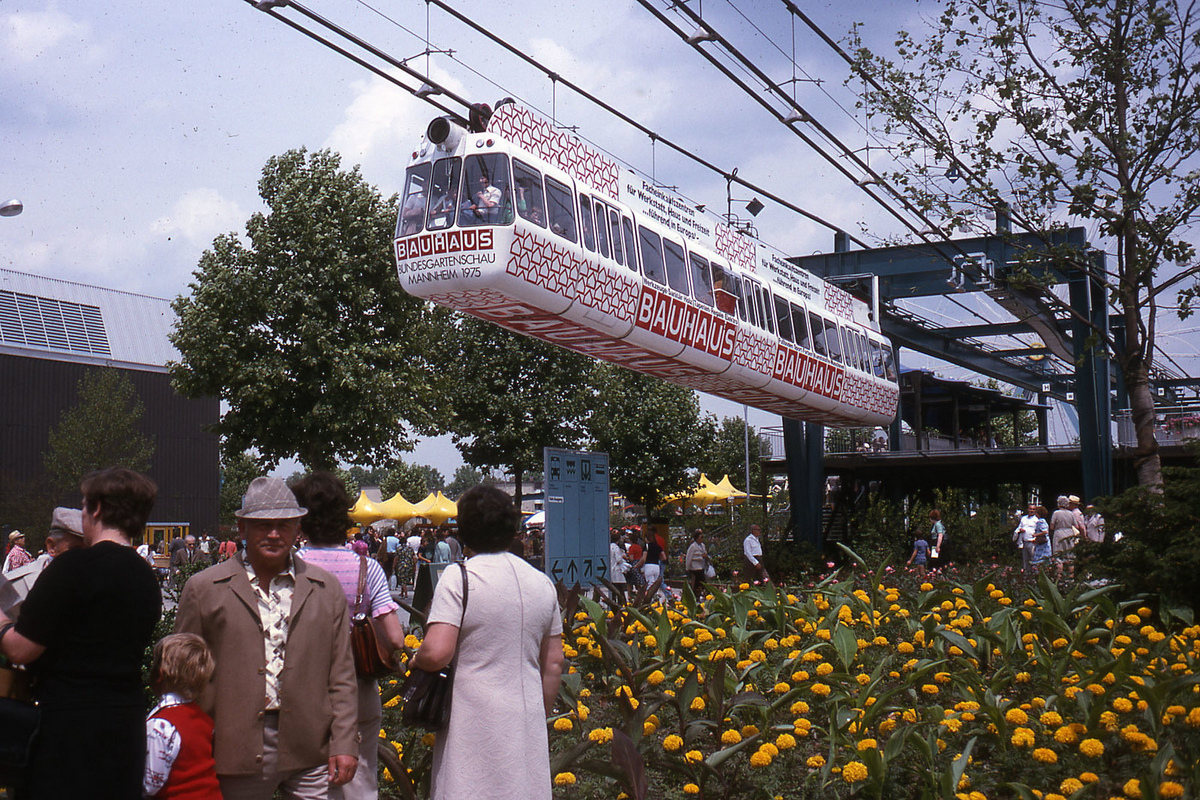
[[526, 226]]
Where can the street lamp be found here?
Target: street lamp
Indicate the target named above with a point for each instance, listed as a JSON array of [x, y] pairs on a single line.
[[10, 208]]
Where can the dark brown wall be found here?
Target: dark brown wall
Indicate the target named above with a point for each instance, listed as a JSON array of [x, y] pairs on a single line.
[[34, 393]]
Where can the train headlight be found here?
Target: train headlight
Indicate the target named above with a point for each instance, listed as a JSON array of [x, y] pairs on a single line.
[[444, 133]]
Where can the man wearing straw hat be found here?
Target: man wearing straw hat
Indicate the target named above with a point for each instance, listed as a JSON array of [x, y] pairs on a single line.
[[66, 533], [284, 700]]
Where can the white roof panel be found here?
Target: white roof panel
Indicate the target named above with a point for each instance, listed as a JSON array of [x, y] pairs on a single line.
[[67, 319]]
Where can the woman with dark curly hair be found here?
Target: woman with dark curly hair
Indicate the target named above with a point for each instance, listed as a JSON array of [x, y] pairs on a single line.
[[507, 649], [325, 525]]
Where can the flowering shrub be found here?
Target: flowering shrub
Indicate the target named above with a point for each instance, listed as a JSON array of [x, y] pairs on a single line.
[[873, 685]]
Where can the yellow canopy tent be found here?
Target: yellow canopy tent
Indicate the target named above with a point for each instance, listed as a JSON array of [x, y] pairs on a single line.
[[436, 508], [705, 494], [732, 495], [364, 511], [397, 508]]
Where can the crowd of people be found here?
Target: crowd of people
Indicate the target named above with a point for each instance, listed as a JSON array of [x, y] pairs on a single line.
[[259, 694], [1046, 540]]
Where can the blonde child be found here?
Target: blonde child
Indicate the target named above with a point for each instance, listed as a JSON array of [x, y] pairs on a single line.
[[179, 734]]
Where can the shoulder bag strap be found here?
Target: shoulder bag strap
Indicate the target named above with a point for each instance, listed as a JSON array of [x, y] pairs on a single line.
[[362, 584], [466, 592]]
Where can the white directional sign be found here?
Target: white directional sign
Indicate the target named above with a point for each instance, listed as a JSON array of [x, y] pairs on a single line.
[[576, 530]]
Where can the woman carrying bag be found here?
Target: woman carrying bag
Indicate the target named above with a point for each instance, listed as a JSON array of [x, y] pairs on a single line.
[[325, 526], [506, 648]]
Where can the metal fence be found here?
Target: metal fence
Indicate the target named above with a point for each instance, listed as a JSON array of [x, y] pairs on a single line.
[[1171, 426]]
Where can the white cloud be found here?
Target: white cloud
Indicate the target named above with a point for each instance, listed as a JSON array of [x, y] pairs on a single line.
[[383, 123], [199, 215], [30, 34]]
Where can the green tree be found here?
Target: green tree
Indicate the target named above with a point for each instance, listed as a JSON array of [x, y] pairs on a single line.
[[652, 431], [513, 396], [465, 477], [414, 482], [99, 431], [1085, 109], [725, 454], [305, 334], [238, 469]]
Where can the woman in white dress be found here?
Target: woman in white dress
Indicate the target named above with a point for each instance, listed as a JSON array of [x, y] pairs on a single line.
[[507, 658]]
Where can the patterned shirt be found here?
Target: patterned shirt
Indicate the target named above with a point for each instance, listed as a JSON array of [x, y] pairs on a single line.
[[17, 557], [274, 610], [162, 746]]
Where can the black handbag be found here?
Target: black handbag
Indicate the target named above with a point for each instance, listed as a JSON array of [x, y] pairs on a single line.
[[19, 725], [427, 695]]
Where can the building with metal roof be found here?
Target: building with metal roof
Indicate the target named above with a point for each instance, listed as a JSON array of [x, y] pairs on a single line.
[[52, 332]]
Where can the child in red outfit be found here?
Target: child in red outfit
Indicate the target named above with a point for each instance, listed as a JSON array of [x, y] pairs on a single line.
[[179, 735]]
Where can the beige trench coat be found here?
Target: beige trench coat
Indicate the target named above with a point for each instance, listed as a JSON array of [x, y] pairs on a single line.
[[318, 694]]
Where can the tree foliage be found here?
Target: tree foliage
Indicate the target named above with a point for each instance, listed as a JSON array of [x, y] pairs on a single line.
[[238, 469], [1159, 549], [465, 477], [725, 454], [414, 482], [99, 431], [652, 431], [1081, 111], [512, 396], [304, 332]]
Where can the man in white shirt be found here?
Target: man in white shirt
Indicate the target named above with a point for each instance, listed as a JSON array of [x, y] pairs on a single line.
[[752, 564], [1023, 536]]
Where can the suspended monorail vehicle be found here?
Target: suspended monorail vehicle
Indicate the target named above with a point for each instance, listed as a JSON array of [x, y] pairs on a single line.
[[519, 222]]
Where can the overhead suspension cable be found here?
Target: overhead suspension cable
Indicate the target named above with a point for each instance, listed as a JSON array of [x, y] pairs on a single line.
[[874, 177], [654, 136], [269, 6]]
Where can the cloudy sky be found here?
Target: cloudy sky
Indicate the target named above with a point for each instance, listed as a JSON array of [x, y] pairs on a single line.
[[135, 131]]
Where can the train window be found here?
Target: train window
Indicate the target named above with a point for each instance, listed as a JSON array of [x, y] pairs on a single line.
[[446, 173], [754, 309], [721, 293], [800, 326], [763, 307], [630, 244], [487, 191], [865, 353], [733, 285], [783, 317], [701, 280], [601, 228], [833, 340], [889, 365], [847, 347], [531, 205], [652, 257], [876, 359], [561, 208], [677, 271], [586, 223], [818, 334], [855, 348], [412, 210], [614, 228]]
